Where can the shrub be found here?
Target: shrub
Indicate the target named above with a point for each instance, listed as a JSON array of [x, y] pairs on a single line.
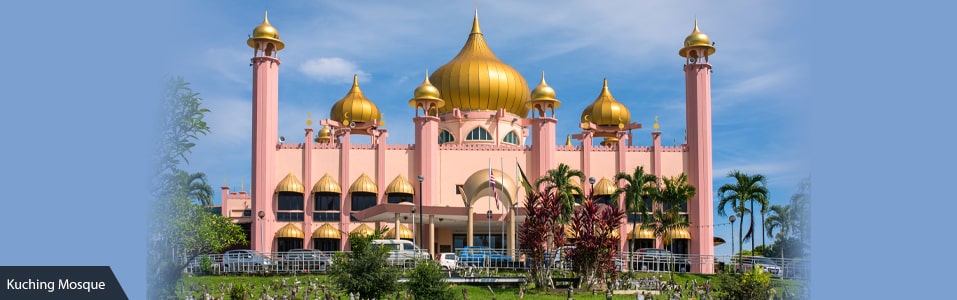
[[365, 270], [753, 284], [239, 291], [205, 265], [426, 282]]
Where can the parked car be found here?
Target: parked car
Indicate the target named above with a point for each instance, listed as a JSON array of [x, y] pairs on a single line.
[[651, 259], [402, 252], [748, 263], [304, 260], [448, 261], [482, 256], [245, 261]]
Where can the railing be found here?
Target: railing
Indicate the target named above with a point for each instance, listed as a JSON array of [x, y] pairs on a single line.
[[483, 261]]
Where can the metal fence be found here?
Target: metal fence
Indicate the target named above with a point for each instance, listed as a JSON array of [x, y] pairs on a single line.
[[490, 260]]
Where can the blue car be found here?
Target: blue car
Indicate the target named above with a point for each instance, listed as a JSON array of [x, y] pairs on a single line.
[[482, 256]]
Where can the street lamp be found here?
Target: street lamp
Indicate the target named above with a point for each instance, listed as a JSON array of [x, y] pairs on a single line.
[[421, 178], [261, 215], [731, 219], [489, 216], [592, 181]]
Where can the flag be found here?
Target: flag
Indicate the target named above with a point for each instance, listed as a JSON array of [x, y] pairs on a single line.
[[491, 178], [525, 183]]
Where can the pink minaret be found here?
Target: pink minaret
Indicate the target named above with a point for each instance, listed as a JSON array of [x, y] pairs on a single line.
[[265, 64], [543, 129], [426, 99], [697, 49]]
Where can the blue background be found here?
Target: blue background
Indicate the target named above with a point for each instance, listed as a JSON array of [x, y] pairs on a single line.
[[80, 80]]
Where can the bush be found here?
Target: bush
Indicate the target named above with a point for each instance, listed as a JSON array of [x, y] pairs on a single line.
[[426, 282], [239, 291], [753, 284], [205, 265], [365, 271]]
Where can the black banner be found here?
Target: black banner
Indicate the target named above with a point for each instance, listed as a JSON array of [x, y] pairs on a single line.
[[67, 282]]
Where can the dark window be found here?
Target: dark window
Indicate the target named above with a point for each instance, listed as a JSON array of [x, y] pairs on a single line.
[[286, 244], [458, 190], [290, 201], [289, 216], [511, 138], [445, 137], [247, 213], [634, 218], [680, 246], [640, 244], [327, 201], [479, 133], [361, 201], [604, 199], [325, 216], [325, 244], [398, 198]]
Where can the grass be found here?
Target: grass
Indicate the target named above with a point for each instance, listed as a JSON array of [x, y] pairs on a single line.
[[218, 286]]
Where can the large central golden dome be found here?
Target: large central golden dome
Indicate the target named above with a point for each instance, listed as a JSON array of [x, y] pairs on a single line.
[[477, 80]]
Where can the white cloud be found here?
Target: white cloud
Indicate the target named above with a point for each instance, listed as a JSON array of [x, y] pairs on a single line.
[[332, 70]]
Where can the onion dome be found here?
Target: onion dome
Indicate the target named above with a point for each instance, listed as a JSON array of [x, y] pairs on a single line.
[[290, 184], [364, 184], [543, 92], [363, 230], [574, 182], [605, 187], [426, 91], [354, 107], [696, 39], [606, 110], [324, 135], [609, 141], [399, 185], [326, 231], [404, 232], [265, 31], [477, 80], [327, 184], [290, 231]]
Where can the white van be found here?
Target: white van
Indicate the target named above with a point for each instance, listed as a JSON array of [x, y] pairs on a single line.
[[402, 252]]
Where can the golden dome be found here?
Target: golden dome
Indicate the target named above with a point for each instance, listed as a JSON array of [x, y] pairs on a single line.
[[606, 110], [605, 187], [399, 185], [477, 80], [326, 231], [327, 184], [363, 230], [355, 107], [290, 231], [426, 91], [696, 39], [404, 233], [609, 141], [324, 135], [642, 234], [364, 184], [265, 31], [574, 182], [543, 92], [290, 184]]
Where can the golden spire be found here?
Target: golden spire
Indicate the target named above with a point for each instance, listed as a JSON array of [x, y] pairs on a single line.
[[242, 185], [475, 23], [309, 119], [568, 140], [656, 123]]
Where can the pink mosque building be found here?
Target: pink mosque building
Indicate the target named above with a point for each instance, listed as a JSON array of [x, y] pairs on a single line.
[[472, 114]]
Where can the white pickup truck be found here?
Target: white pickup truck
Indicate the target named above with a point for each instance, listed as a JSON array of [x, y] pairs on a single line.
[[402, 252]]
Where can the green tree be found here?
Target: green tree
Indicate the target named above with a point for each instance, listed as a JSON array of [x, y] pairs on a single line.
[[180, 229], [780, 219], [365, 271], [559, 181], [667, 216], [199, 189], [745, 189], [640, 191], [428, 282], [801, 212]]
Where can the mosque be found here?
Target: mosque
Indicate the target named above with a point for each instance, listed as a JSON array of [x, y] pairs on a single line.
[[473, 118]]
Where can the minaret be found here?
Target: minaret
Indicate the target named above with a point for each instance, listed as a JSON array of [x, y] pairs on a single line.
[[543, 129], [265, 63], [697, 49], [426, 98]]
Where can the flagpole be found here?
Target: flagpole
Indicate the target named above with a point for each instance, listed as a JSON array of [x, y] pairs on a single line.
[[489, 214], [502, 162]]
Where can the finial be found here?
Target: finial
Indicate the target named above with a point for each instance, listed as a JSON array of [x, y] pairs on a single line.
[[543, 77], [355, 80], [242, 185], [475, 22], [568, 140], [309, 120], [656, 123], [266, 17]]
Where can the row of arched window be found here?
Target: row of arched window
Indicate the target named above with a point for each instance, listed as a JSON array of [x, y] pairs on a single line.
[[478, 134]]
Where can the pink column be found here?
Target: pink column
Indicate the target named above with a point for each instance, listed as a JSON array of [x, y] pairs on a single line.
[[698, 103], [543, 146], [426, 152], [264, 138], [620, 167], [656, 167], [586, 154], [345, 206], [380, 163], [224, 202], [307, 195]]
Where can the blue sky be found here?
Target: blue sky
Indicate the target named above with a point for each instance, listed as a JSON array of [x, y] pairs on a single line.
[[758, 85]]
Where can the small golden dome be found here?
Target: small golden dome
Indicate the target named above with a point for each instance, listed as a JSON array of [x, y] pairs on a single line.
[[574, 182], [355, 107], [426, 91], [404, 233], [609, 141], [265, 31], [605, 187], [544, 93], [324, 135], [364, 184], [568, 140], [606, 110], [696, 39], [290, 231], [327, 184], [363, 230], [326, 231], [477, 80], [290, 184], [399, 185]]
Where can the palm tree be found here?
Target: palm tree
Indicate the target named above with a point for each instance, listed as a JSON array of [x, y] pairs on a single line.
[[198, 188], [780, 218], [559, 180], [747, 188], [675, 192], [640, 191]]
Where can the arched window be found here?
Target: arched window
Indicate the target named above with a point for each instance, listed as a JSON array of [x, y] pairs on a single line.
[[511, 138], [290, 207], [445, 137], [479, 134]]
